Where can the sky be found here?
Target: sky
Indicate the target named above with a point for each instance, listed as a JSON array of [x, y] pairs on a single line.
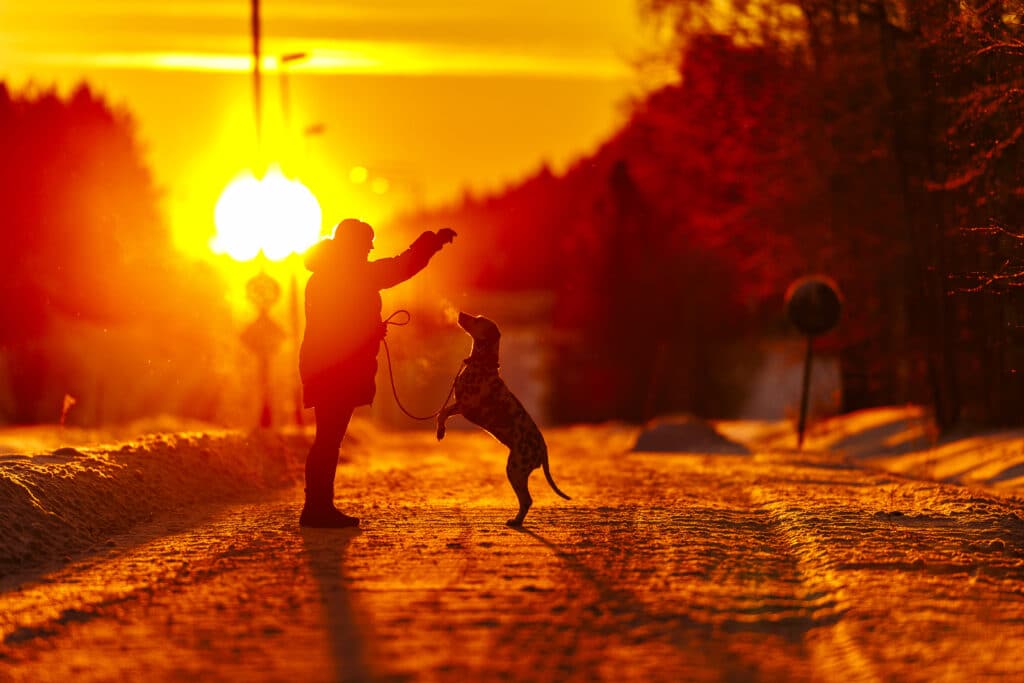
[[395, 104]]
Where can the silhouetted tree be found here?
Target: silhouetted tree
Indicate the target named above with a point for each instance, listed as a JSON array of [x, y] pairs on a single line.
[[875, 140], [664, 245], [685, 246], [94, 300], [922, 96]]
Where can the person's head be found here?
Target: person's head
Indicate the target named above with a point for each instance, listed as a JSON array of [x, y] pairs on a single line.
[[353, 236]]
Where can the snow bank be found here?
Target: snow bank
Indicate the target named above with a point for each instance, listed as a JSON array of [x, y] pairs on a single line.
[[993, 459], [864, 434], [685, 434], [57, 500], [899, 439]]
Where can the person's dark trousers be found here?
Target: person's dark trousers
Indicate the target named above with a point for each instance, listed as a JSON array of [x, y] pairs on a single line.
[[321, 466]]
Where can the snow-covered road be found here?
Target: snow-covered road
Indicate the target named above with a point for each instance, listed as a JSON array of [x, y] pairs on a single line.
[[663, 567]]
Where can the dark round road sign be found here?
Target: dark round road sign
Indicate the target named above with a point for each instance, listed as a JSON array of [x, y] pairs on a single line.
[[263, 291], [813, 304]]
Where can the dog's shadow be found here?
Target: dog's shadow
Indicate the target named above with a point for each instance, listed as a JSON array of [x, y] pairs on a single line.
[[324, 551], [607, 594], [693, 640]]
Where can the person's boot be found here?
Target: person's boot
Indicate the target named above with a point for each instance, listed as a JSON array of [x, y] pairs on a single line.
[[319, 512], [325, 517]]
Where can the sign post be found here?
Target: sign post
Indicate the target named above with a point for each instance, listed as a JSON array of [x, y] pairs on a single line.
[[263, 336], [813, 305]]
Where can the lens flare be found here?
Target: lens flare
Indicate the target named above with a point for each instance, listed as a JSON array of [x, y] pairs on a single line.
[[358, 174], [274, 214]]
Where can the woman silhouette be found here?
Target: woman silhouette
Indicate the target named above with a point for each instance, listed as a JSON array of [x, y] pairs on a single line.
[[338, 358]]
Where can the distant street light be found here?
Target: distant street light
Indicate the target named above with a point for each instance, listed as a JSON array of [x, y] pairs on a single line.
[[286, 98]]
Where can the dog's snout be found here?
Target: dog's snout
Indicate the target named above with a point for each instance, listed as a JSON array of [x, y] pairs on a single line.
[[464, 318]]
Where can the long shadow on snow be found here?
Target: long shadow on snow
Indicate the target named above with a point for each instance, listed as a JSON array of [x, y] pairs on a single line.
[[324, 550], [700, 641]]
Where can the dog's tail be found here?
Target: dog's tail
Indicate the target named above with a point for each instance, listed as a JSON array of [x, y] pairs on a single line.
[[551, 482]]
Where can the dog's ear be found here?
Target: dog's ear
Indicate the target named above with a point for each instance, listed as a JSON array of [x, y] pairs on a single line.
[[491, 331]]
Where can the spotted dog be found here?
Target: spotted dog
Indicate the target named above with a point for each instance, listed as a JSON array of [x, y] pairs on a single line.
[[482, 397]]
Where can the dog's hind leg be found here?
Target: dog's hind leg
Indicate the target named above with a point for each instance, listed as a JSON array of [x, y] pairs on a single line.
[[519, 476]]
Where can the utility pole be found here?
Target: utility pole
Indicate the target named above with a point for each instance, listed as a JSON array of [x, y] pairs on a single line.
[[257, 92]]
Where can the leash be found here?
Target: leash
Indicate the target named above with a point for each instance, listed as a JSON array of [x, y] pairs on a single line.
[[391, 371]]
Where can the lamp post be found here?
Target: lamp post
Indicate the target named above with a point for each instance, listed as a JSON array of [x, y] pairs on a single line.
[[286, 97]]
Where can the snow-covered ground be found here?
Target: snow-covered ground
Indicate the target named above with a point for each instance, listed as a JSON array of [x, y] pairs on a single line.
[[898, 439], [902, 440], [718, 553], [64, 491]]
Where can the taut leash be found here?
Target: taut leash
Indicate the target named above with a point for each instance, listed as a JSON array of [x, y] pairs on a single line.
[[391, 370]]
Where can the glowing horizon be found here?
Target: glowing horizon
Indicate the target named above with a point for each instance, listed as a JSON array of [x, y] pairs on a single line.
[[430, 99], [359, 36], [369, 57]]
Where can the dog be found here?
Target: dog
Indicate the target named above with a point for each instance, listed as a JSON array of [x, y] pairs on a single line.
[[482, 397]]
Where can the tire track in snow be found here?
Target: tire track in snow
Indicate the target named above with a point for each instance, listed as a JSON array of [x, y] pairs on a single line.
[[927, 577], [835, 653]]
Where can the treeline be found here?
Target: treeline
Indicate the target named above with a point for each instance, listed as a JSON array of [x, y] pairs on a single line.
[[875, 141], [94, 301]]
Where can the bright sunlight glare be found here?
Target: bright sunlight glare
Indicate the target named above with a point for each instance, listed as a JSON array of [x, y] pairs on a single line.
[[276, 215]]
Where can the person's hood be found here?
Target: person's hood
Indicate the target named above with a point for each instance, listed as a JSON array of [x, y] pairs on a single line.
[[318, 255]]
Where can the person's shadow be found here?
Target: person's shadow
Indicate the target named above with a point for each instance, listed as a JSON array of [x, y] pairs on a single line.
[[324, 550]]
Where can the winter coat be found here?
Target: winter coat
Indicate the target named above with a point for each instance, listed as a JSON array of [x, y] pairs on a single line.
[[338, 357]]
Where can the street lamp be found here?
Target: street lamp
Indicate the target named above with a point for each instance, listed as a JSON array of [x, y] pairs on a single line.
[[286, 98]]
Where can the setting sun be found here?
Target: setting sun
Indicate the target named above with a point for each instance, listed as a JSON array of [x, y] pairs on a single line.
[[274, 214]]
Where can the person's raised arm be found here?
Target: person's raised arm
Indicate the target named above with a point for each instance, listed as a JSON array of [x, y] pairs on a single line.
[[389, 272]]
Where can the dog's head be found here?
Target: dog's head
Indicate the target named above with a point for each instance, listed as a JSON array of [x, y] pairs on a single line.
[[482, 330]]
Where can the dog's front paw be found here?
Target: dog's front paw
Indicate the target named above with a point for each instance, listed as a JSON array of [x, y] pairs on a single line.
[[515, 523], [440, 432]]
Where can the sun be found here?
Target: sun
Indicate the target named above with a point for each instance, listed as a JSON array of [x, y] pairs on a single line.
[[273, 214]]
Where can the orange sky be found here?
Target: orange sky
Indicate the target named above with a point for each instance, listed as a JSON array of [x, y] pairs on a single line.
[[428, 97]]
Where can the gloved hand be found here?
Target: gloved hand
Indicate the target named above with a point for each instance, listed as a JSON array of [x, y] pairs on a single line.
[[445, 236]]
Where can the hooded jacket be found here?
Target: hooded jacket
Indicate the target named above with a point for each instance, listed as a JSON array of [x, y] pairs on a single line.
[[338, 357]]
